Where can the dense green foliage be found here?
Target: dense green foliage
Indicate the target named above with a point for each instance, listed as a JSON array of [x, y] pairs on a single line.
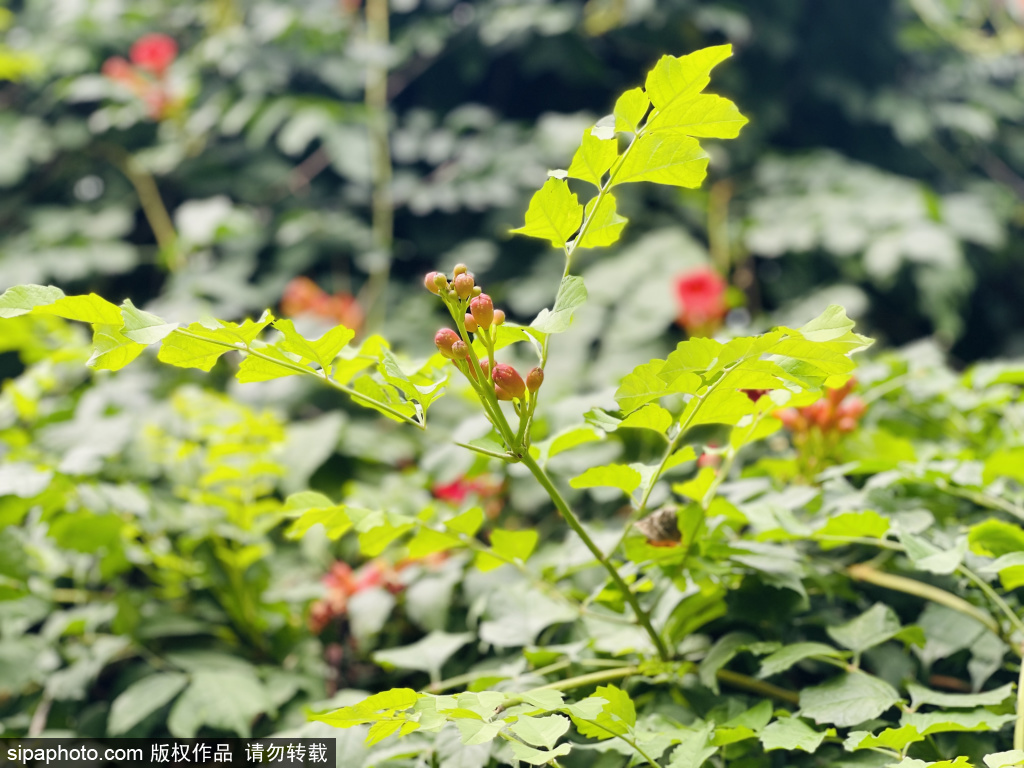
[[718, 552]]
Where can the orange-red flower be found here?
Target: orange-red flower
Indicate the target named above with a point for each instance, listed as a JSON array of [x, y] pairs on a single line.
[[304, 297], [154, 53], [701, 296]]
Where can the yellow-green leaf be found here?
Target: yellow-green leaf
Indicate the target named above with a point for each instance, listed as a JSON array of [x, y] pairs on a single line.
[[554, 214], [112, 351], [255, 368], [705, 115], [611, 476], [680, 77], [664, 158], [593, 159], [630, 109], [605, 224]]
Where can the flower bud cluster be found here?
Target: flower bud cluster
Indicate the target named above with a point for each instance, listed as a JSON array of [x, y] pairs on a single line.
[[834, 413]]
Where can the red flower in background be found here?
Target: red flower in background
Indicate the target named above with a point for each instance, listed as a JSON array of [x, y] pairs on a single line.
[[304, 297], [154, 53], [485, 488], [150, 55], [835, 412], [701, 296]]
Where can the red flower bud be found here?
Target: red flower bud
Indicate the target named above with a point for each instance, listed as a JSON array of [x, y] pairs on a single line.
[[470, 323], [430, 282], [463, 285], [534, 379], [501, 394], [485, 366], [508, 378], [853, 408], [154, 52], [460, 269], [483, 310], [499, 316], [460, 351], [118, 69], [445, 339], [846, 424]]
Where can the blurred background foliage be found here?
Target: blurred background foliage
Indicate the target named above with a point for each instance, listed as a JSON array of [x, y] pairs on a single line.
[[359, 147]]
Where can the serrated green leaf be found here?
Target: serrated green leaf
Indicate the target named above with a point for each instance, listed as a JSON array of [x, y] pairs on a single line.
[[544, 698], [593, 159], [1010, 759], [428, 654], [721, 653], [617, 717], [786, 657], [312, 509], [540, 731], [676, 78], [919, 696], [143, 327], [478, 731], [370, 394], [200, 346], [867, 524], [142, 698], [661, 158], [791, 733], [873, 627], [719, 406], [85, 309], [847, 700], [630, 109], [1010, 568], [703, 116], [994, 538], [652, 417], [373, 708], [694, 748], [467, 523], [891, 738], [533, 756], [572, 437], [572, 294], [605, 225], [253, 368], [611, 476], [111, 351], [554, 214], [641, 386], [321, 351], [954, 722], [514, 545], [21, 299], [1006, 462], [428, 541]]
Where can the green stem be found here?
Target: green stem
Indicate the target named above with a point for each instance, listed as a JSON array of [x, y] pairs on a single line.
[[1018, 727], [995, 598], [570, 517], [319, 375], [753, 685], [378, 35], [862, 572]]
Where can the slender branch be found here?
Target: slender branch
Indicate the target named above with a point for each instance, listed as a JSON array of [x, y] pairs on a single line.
[[378, 35], [152, 204], [319, 375], [1018, 727], [754, 685], [570, 517], [862, 572], [995, 598]]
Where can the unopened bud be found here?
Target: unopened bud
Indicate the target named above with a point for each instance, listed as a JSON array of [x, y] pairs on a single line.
[[463, 285], [508, 378], [470, 323], [460, 351], [501, 394], [440, 282], [460, 269], [445, 339], [846, 424], [534, 379], [430, 281], [499, 316], [482, 309], [477, 290], [485, 366]]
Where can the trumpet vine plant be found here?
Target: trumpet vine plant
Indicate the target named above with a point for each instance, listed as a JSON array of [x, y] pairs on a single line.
[[637, 679]]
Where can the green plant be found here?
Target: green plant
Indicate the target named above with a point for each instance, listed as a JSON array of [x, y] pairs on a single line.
[[674, 601]]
